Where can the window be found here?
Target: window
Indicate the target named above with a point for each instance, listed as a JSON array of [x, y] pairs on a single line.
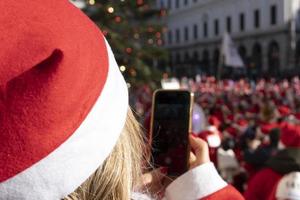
[[186, 33], [256, 18], [205, 29], [170, 59], [186, 57], [177, 35], [186, 2], [216, 27], [195, 56], [170, 37], [242, 22], [170, 4], [195, 31], [177, 3], [228, 24], [178, 58], [162, 5], [273, 14]]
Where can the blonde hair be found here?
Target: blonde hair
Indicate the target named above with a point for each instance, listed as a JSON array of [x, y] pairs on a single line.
[[120, 172]]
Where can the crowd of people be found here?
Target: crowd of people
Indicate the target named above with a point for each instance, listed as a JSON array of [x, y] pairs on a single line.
[[252, 128]]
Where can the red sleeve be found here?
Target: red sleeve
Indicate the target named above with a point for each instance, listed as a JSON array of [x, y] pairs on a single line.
[[227, 193]]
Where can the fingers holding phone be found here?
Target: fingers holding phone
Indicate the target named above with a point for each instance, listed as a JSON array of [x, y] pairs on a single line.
[[200, 152]]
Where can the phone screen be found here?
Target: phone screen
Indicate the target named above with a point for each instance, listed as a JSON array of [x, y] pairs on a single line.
[[170, 129]]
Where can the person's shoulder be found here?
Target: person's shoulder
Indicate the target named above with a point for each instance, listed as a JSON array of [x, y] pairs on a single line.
[[226, 193], [264, 174], [267, 171]]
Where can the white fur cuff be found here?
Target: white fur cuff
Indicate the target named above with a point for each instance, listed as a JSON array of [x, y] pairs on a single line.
[[195, 184]]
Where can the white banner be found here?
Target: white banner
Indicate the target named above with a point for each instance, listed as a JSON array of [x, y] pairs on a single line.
[[230, 53]]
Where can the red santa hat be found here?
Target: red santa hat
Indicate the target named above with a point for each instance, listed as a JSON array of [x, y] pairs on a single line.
[[214, 121], [212, 136], [290, 135], [266, 127], [297, 115], [63, 100], [284, 110], [242, 122]]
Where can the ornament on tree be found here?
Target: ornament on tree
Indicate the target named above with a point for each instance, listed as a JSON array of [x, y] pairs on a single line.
[[128, 50], [136, 36], [92, 2], [122, 68], [150, 41], [159, 42], [118, 19], [158, 34], [139, 2]]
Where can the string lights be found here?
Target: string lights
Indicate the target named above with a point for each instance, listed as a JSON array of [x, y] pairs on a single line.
[[92, 2], [110, 10]]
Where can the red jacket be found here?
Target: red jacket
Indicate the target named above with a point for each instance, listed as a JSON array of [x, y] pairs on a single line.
[[261, 185], [227, 193]]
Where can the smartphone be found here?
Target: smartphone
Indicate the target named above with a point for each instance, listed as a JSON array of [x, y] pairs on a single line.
[[169, 130]]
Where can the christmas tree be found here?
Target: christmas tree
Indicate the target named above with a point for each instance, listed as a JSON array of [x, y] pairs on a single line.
[[133, 30]]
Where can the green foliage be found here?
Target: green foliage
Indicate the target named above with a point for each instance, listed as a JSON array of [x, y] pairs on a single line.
[[134, 31]]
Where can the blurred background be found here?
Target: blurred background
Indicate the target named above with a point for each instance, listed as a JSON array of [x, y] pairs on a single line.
[[185, 37]]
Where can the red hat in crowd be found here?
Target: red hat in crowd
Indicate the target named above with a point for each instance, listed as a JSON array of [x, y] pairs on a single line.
[[212, 137], [297, 115], [290, 135], [63, 99], [230, 117], [284, 110], [253, 110], [242, 122], [214, 121], [267, 127]]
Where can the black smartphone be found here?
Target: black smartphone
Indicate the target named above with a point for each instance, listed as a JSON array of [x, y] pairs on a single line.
[[169, 130]]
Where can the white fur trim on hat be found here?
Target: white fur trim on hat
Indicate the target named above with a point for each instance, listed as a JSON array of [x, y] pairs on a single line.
[[66, 168], [289, 187]]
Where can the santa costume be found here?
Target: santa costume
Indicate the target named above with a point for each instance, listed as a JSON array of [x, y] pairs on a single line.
[[287, 160]]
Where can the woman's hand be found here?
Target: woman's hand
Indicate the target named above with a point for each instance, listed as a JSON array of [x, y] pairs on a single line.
[[156, 181], [201, 152]]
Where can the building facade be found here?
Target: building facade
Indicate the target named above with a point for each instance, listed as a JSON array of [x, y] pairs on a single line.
[[264, 32]]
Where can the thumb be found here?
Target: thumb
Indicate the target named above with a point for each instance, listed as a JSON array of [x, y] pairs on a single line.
[[200, 148]]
